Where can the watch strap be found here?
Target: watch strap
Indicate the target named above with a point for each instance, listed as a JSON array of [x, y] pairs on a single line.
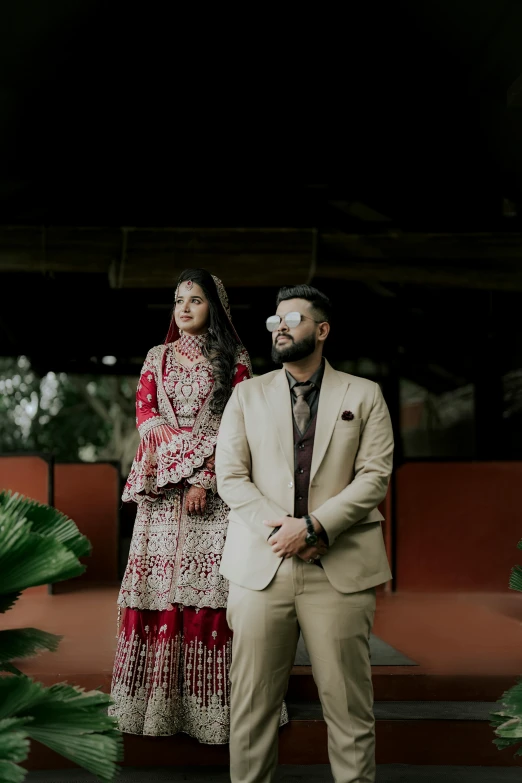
[[309, 525]]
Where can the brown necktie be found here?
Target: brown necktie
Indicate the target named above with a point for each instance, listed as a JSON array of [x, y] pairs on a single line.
[[301, 407]]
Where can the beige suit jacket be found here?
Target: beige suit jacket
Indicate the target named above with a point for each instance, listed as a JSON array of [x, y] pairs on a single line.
[[351, 467]]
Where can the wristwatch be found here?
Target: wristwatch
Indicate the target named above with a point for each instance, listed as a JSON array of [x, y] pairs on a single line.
[[311, 536]]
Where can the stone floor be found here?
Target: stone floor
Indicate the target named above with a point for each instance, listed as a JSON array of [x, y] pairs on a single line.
[[388, 773]]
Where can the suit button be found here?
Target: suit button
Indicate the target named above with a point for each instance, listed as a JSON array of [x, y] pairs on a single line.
[[301, 470], [291, 484], [300, 497]]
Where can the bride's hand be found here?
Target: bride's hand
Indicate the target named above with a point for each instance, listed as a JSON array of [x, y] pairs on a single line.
[[196, 500], [210, 463]]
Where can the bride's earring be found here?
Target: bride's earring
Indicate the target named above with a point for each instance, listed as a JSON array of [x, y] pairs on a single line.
[[181, 332], [210, 330]]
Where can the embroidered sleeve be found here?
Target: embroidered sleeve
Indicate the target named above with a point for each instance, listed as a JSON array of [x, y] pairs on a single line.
[[147, 415], [166, 456], [206, 477]]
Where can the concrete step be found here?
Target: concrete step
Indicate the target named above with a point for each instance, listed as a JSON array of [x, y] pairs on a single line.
[[406, 683], [408, 710], [428, 733], [386, 773]]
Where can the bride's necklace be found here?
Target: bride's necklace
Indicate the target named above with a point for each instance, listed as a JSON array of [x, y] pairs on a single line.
[[191, 345]]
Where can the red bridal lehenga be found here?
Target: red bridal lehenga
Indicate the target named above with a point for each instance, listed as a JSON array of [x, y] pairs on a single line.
[[171, 672]]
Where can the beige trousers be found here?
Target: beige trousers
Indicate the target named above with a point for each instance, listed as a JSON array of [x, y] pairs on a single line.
[[336, 629]]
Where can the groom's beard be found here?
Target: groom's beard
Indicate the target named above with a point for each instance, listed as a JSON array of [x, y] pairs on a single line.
[[295, 351]]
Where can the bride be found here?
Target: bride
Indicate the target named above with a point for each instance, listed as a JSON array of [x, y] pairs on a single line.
[[171, 671]]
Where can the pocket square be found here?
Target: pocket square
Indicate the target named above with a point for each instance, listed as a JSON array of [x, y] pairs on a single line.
[[347, 416]]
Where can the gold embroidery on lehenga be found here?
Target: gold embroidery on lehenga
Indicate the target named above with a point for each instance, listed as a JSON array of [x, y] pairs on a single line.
[[163, 686], [175, 558]]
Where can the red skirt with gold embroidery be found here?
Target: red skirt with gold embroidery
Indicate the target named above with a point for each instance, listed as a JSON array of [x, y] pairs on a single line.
[[171, 673]]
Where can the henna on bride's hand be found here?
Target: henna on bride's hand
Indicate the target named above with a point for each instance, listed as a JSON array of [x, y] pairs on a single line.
[[196, 500]]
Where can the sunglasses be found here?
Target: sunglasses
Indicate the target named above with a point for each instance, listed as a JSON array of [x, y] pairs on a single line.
[[291, 320]]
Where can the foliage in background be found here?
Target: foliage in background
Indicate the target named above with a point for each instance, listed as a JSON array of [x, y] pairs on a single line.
[[39, 545], [72, 417], [508, 722]]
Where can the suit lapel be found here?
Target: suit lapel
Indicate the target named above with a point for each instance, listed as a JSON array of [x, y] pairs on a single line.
[[333, 391], [277, 395]]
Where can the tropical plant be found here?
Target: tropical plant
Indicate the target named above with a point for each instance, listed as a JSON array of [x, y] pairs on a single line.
[[72, 417], [508, 722], [39, 545]]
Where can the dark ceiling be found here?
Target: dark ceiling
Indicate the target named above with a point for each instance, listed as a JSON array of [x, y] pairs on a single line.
[[145, 115], [383, 119]]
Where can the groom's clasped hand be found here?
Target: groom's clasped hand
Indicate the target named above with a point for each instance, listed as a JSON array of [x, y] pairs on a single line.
[[288, 540]]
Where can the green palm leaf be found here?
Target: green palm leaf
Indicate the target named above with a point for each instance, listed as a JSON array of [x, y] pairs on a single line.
[[508, 721], [17, 694], [23, 642], [28, 559], [9, 667], [515, 581], [68, 720], [14, 748], [8, 600], [14, 745], [11, 773], [47, 521], [511, 729], [95, 752], [39, 545]]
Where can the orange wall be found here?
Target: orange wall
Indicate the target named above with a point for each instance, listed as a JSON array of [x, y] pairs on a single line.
[[27, 475], [89, 494], [457, 525]]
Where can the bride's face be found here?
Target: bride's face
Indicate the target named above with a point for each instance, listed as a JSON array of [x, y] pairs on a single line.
[[191, 311]]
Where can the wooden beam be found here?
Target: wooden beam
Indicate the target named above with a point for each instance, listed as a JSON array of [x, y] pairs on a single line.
[[154, 257], [255, 257], [421, 274], [480, 261], [402, 245]]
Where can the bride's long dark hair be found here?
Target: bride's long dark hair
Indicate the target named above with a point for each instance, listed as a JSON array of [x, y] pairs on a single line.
[[221, 344]]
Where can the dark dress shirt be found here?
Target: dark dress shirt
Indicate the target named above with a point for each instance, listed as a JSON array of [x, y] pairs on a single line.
[[304, 444], [313, 397]]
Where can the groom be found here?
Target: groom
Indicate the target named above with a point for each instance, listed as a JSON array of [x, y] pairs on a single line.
[[303, 459]]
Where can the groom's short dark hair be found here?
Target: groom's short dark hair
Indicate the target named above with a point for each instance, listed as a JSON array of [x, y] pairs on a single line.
[[319, 301]]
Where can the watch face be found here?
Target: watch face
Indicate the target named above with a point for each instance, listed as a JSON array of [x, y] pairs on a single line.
[[311, 539]]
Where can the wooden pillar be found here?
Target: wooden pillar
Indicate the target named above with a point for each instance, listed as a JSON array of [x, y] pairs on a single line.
[[487, 379]]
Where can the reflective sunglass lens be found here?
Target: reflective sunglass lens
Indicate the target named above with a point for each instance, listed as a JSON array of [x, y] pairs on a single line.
[[272, 323], [293, 320]]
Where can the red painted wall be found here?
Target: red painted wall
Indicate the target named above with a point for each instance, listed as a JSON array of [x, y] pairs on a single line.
[[89, 494], [458, 525], [27, 475]]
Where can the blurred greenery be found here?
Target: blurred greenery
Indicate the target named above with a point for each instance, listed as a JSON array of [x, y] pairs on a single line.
[[85, 418]]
